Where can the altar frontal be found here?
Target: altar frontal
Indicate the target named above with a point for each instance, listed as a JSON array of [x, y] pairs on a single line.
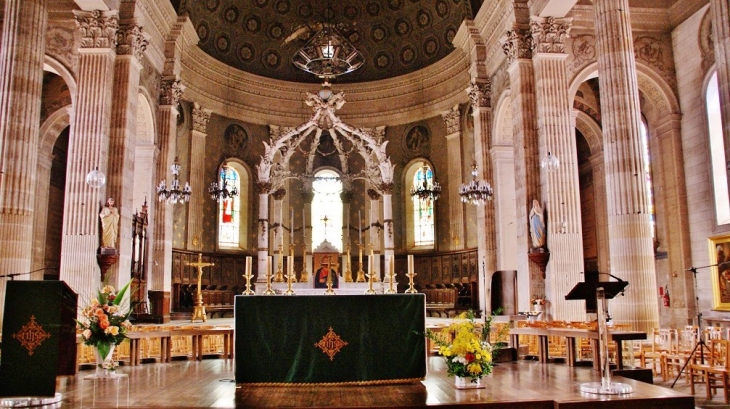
[[343, 339]]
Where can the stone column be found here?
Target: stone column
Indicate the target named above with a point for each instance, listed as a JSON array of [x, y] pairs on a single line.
[[480, 95], [517, 46], [630, 243], [263, 189], [560, 187], [88, 148], [197, 177], [346, 197], [160, 280], [307, 197], [452, 118], [40, 222], [277, 243], [721, 39], [374, 232], [21, 85], [131, 44]]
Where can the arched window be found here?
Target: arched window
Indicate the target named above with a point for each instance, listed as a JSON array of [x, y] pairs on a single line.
[[717, 154], [327, 209], [233, 211], [647, 175], [420, 208]]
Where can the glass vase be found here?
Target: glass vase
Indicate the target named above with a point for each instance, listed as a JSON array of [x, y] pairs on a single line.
[[101, 372], [462, 382]]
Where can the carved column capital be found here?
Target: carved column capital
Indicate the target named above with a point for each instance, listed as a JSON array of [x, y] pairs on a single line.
[[170, 92], [517, 44], [549, 34], [307, 196], [451, 118], [373, 194], [263, 187], [279, 194], [200, 118], [480, 93], [131, 41], [98, 29], [346, 196]]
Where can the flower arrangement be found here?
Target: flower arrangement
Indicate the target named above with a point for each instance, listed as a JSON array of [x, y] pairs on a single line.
[[538, 300], [469, 354], [105, 322]]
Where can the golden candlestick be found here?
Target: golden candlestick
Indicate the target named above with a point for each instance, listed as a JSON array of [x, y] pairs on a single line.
[[370, 289], [360, 273], [289, 279], [329, 290], [279, 278], [348, 273], [304, 278], [291, 261], [410, 289], [376, 277], [248, 276], [199, 309], [390, 289], [268, 291]]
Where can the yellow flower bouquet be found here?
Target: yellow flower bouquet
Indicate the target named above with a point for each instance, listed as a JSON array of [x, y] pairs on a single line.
[[469, 354]]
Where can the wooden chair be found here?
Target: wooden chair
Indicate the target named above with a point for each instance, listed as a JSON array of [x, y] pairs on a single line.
[[714, 372], [661, 340], [677, 359]]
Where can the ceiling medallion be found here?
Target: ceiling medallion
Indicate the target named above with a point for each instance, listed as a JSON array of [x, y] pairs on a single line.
[[31, 335], [328, 54], [331, 344]]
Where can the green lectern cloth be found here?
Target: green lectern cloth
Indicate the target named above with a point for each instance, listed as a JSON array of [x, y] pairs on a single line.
[[357, 339]]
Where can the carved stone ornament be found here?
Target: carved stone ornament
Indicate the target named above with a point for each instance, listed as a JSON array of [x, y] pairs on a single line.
[[480, 94], [386, 188], [549, 34], [373, 194], [347, 196], [263, 187], [98, 29], [451, 118], [584, 50], [200, 118], [170, 92], [131, 41], [307, 196], [279, 194], [517, 45]]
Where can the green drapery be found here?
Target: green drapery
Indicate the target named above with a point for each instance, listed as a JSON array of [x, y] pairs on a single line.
[[277, 337]]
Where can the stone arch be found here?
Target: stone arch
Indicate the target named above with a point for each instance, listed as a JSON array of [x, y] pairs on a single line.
[[144, 153], [409, 171], [245, 180], [50, 64], [502, 133]]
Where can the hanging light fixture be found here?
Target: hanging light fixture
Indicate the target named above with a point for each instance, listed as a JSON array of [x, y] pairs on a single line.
[[174, 194], [476, 192], [550, 162], [219, 190], [328, 54], [95, 178], [427, 188]]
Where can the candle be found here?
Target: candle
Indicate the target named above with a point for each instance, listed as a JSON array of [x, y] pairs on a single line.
[[392, 265], [248, 266], [359, 226], [291, 226], [410, 264], [304, 228], [268, 267]]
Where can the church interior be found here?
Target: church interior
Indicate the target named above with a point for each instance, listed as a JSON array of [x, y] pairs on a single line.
[[488, 155]]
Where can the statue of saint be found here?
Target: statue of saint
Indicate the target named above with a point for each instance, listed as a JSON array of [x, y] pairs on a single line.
[[109, 224], [537, 225]]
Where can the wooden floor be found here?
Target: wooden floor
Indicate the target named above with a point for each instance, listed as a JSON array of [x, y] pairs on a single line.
[[209, 383]]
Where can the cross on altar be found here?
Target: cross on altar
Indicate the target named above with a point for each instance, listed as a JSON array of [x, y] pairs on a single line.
[[325, 220], [199, 309]]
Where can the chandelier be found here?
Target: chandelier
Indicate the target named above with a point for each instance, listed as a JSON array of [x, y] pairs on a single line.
[[220, 190], [427, 188], [173, 194], [327, 54], [550, 162], [476, 192]]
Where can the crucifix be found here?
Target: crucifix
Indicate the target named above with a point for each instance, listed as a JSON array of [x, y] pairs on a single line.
[[325, 220], [199, 309]]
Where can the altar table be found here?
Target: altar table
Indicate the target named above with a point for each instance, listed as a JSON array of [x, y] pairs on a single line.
[[340, 339], [570, 335]]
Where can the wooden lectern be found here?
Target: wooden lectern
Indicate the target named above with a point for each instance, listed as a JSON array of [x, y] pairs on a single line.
[[586, 290]]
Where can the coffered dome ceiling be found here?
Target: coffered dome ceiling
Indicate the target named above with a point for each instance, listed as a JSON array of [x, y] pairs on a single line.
[[395, 37]]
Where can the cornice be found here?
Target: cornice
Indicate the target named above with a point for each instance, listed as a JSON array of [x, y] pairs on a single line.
[[236, 94]]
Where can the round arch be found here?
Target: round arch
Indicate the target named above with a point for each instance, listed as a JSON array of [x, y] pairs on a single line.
[[409, 172]]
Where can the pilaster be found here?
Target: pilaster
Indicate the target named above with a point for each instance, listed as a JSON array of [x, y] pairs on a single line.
[[196, 165], [88, 148], [452, 118], [630, 244]]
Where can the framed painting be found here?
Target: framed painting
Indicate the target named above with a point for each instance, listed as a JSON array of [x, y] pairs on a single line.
[[326, 268], [720, 271]]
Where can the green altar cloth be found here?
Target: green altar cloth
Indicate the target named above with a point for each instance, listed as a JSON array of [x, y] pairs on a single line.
[[355, 339]]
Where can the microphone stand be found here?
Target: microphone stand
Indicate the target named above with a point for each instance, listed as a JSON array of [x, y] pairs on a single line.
[[13, 275]]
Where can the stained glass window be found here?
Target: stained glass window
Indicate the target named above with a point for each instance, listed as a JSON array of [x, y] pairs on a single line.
[[423, 217], [719, 177], [229, 209], [647, 175]]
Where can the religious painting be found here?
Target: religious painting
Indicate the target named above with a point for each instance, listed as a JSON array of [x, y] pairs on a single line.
[[720, 271], [326, 268]]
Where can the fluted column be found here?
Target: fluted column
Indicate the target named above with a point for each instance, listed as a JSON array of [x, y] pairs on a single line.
[[517, 46], [480, 95], [161, 278], [277, 239], [721, 39], [630, 243], [452, 118], [196, 164], [388, 241], [21, 82], [374, 231], [307, 197], [88, 148], [560, 187], [40, 222], [122, 142]]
